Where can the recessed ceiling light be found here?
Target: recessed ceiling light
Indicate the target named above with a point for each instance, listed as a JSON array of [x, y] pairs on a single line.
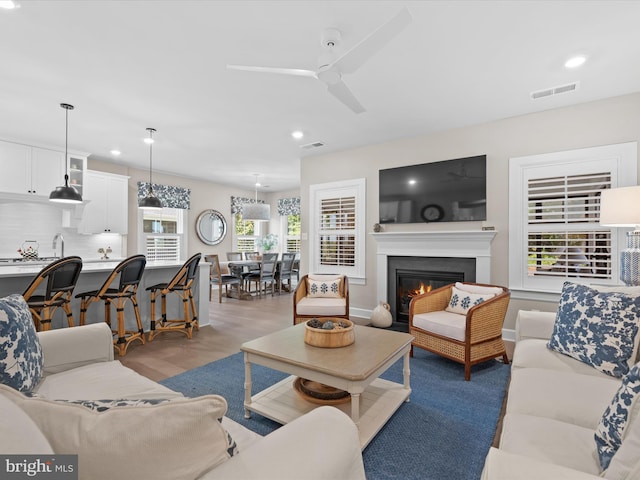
[[298, 134], [116, 153], [412, 182], [8, 4], [575, 62]]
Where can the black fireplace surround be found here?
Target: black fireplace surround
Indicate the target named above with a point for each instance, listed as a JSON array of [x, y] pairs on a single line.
[[410, 276]]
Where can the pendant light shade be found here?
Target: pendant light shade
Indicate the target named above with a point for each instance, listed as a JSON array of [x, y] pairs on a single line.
[[150, 200], [65, 193], [258, 212]]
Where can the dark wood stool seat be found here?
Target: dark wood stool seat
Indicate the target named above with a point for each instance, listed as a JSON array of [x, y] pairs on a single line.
[[61, 276], [182, 285], [130, 273]]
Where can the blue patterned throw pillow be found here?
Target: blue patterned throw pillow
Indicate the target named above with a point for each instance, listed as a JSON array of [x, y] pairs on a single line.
[[461, 302], [21, 361], [617, 416], [597, 328]]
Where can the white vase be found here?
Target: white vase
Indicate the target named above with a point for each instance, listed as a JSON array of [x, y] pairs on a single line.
[[381, 316]]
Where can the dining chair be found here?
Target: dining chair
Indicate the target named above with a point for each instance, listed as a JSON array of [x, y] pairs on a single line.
[[61, 277], [233, 256], [251, 255], [285, 272], [216, 277], [128, 273], [182, 285], [267, 273]]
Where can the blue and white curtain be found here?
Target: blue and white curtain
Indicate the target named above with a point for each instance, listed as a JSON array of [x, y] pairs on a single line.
[[238, 202], [170, 196], [289, 206]]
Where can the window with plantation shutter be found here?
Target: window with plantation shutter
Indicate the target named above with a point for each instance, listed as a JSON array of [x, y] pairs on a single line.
[[555, 233], [337, 233], [163, 248]]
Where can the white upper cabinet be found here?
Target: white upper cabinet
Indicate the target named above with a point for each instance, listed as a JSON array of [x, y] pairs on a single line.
[[33, 170], [106, 210]]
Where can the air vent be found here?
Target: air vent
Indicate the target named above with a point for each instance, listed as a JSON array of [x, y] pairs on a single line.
[[548, 92], [312, 145]]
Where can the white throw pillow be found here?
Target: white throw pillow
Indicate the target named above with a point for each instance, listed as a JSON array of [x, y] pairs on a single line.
[[177, 439], [478, 289], [327, 287], [461, 302]]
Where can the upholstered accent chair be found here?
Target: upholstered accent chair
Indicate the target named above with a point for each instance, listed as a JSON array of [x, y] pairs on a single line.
[[462, 322], [321, 296]]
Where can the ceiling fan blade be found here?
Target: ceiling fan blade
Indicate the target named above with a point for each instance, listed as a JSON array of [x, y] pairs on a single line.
[[281, 71], [369, 46], [342, 93]]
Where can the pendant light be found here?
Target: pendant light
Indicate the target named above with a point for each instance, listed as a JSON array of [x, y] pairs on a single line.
[[150, 201], [66, 193], [258, 212]]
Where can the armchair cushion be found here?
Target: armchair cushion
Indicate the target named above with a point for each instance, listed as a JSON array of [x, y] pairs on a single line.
[[461, 301], [148, 434], [321, 306], [597, 328], [447, 324], [21, 361], [324, 286]]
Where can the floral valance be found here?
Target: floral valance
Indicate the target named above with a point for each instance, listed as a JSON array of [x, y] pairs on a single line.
[[289, 206], [237, 202], [170, 196]]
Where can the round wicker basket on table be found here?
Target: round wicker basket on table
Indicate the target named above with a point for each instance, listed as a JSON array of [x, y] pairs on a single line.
[[334, 338]]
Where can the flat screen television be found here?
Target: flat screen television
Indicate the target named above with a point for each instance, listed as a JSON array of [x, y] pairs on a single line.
[[445, 191]]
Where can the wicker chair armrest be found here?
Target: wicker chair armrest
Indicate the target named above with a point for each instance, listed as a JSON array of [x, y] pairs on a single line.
[[485, 321], [433, 301], [300, 291]]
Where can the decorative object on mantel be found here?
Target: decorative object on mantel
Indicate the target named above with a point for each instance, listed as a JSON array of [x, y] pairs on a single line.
[[29, 250], [377, 227], [105, 253], [381, 316], [620, 207], [150, 201], [66, 193], [255, 211], [329, 332]]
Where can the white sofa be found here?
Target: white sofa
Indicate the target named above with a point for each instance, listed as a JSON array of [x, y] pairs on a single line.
[[554, 405], [79, 365]]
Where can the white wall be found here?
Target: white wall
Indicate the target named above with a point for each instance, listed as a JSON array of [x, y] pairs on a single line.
[[604, 122]]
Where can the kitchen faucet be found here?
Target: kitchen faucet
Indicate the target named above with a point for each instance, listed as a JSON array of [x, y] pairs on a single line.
[[55, 244]]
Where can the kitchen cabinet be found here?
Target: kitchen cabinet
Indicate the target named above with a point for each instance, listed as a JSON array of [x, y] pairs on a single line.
[[106, 209], [30, 170]]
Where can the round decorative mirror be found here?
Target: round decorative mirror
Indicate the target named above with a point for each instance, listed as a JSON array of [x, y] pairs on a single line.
[[211, 227]]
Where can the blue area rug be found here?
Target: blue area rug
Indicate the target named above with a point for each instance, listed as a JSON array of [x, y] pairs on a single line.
[[444, 432]]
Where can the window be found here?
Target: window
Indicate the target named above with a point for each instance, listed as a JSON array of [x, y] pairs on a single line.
[[162, 234], [245, 234], [291, 224], [554, 216], [337, 228]]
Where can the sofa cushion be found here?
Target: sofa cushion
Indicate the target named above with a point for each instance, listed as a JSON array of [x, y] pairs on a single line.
[[478, 289], [101, 380], [597, 328], [447, 324], [135, 442], [324, 286], [321, 306], [21, 361], [619, 414], [626, 460], [461, 302], [18, 433], [551, 441], [560, 395]]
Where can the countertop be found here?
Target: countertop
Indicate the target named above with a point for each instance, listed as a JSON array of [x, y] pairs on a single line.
[[90, 266]]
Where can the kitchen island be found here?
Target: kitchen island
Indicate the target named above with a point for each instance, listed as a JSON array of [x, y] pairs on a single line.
[[15, 277]]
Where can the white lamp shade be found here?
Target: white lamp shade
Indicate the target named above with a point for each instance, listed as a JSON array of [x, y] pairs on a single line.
[[256, 211], [620, 207]]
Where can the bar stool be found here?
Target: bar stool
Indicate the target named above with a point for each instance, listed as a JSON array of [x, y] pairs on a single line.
[[61, 277], [130, 272], [182, 285]]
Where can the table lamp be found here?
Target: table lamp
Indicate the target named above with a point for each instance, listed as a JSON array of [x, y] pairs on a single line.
[[620, 207]]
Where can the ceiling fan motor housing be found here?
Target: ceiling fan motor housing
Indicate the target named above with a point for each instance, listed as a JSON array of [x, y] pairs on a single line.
[[330, 38]]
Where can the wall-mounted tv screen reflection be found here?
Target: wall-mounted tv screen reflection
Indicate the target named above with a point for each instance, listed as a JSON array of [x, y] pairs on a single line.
[[445, 191]]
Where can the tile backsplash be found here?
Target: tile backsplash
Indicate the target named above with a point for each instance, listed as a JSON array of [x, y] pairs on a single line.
[[20, 222]]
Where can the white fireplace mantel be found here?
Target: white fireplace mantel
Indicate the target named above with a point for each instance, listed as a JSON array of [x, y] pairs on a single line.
[[451, 243]]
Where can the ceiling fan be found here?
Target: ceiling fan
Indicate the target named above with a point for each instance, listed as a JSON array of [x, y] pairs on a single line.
[[331, 67]]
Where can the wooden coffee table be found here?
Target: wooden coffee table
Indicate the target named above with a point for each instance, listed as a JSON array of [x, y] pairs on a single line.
[[354, 368]]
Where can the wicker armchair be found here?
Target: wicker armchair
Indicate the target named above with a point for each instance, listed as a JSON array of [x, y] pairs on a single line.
[[306, 306], [470, 339]]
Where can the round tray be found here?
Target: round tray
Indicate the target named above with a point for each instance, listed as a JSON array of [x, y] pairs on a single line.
[[340, 337], [312, 391]]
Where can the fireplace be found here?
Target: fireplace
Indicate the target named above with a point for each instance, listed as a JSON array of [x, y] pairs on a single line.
[[410, 276]]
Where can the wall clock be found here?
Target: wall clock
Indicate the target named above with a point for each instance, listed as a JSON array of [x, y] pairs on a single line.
[[432, 213]]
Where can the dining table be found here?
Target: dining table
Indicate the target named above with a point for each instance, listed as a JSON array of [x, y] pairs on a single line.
[[240, 267]]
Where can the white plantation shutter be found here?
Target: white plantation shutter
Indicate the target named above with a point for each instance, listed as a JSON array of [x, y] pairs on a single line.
[[337, 236], [554, 216], [163, 248]]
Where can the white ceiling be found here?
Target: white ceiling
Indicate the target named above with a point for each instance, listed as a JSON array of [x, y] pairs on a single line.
[[128, 65]]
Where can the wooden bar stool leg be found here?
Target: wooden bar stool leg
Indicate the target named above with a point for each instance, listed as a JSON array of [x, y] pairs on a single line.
[[136, 312], [187, 321], [196, 323], [45, 318], [152, 323], [67, 308], [121, 341]]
